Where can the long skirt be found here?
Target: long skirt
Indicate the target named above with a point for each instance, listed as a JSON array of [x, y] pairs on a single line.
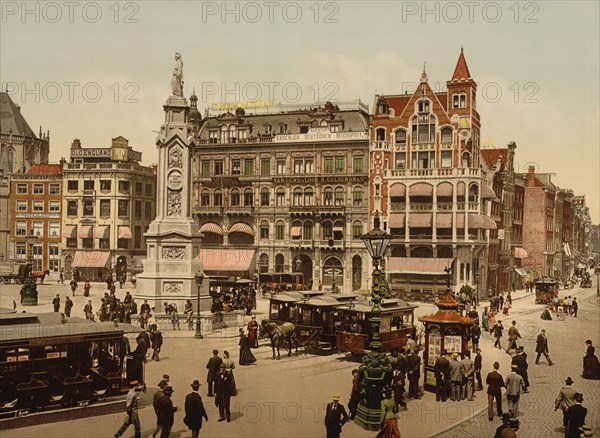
[[389, 430], [591, 367], [246, 356]]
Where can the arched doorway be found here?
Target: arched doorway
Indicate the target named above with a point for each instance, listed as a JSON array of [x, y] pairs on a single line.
[[263, 263], [356, 272], [279, 262], [333, 270], [302, 263]]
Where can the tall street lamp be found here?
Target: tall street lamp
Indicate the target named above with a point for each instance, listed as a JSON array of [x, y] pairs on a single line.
[[477, 286], [376, 365], [199, 277], [31, 239]]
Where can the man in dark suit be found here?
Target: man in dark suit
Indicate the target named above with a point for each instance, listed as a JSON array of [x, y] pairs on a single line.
[[520, 360], [414, 374], [194, 410], [165, 412], [541, 347], [495, 384], [213, 368], [478, 365], [442, 377], [335, 417], [223, 392], [575, 417]]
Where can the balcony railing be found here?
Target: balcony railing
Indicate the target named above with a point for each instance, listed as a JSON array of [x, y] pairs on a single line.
[[450, 171]]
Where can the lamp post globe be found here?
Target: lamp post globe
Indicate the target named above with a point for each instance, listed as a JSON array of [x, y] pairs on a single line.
[[199, 278]]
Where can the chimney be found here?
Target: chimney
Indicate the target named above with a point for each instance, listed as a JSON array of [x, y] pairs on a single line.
[[530, 178], [76, 144]]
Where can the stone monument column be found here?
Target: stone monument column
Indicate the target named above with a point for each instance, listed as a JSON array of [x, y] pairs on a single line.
[[173, 238]]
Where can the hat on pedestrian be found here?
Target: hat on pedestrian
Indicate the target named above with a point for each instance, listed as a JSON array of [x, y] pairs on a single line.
[[543, 330], [168, 390], [195, 384], [215, 351], [335, 397], [166, 377], [496, 365], [569, 381], [478, 350], [454, 354], [254, 317], [226, 353], [133, 382], [163, 383]]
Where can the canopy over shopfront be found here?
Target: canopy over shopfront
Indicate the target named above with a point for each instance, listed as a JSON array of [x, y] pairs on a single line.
[[417, 265], [91, 259], [228, 262]]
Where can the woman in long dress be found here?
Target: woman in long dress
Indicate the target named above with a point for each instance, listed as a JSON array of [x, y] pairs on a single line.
[[389, 423], [246, 356], [591, 366], [485, 319]]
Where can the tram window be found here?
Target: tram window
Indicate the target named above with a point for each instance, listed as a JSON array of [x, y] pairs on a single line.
[[293, 314], [306, 316], [274, 310], [407, 317], [95, 354], [396, 323], [385, 325]]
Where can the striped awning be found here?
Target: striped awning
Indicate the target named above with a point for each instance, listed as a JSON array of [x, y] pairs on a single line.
[[91, 259], [521, 272], [296, 231], [397, 220], [487, 192], [124, 232], [232, 262], [520, 253], [397, 190], [443, 220], [102, 231], [70, 231], [211, 227], [460, 188], [241, 227], [444, 189], [419, 220], [417, 265], [85, 232], [421, 189]]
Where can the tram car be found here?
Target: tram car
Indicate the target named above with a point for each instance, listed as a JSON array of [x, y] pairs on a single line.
[[281, 281], [397, 323], [47, 363], [545, 290]]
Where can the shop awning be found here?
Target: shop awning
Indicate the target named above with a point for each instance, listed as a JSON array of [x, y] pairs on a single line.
[[489, 223], [521, 272], [476, 221], [460, 220], [211, 227], [296, 231], [241, 227], [70, 231], [102, 231], [443, 220], [397, 190], [487, 192], [417, 265], [124, 232], [520, 253], [421, 189], [228, 261], [397, 220], [419, 220], [444, 189], [85, 232], [91, 259], [338, 229]]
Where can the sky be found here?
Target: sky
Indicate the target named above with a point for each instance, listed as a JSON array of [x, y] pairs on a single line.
[[97, 70]]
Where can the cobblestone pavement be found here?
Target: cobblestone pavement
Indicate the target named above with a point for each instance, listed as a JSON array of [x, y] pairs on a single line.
[[287, 397]]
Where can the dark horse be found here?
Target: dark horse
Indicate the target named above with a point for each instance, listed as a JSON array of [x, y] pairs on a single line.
[[277, 333], [40, 274]]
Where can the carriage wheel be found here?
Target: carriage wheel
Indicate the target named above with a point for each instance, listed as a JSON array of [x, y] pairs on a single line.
[[6, 280]]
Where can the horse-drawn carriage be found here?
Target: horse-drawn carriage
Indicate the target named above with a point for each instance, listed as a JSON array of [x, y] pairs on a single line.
[[281, 281], [16, 272], [545, 290]]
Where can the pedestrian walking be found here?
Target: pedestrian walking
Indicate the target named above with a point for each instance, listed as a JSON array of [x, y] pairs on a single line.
[[456, 378], [565, 399], [354, 395], [131, 408], [513, 335], [68, 306], [61, 276], [73, 285], [56, 302], [514, 387], [505, 307], [500, 301], [335, 417], [86, 288], [495, 384], [213, 369], [166, 412], [223, 393], [88, 311], [253, 333], [194, 410], [414, 374], [485, 319], [442, 377], [469, 374], [398, 385], [541, 347], [574, 307], [156, 338], [157, 396], [246, 356], [475, 335], [575, 417], [555, 303], [497, 330], [520, 360], [591, 365], [388, 420], [477, 364]]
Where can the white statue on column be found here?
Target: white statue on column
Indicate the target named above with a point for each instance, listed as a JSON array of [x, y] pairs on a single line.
[[177, 80]]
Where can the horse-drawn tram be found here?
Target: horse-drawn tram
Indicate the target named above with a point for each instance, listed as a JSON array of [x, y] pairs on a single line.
[[47, 362], [397, 322]]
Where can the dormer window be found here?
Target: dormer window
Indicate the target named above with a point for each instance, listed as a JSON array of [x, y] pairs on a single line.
[[268, 128], [459, 100], [423, 106], [334, 128], [384, 108]]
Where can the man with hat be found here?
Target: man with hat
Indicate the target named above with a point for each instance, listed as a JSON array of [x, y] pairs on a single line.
[[541, 347], [513, 335], [478, 364], [565, 399], [354, 394], [514, 386], [520, 360], [165, 412], [468, 373], [505, 425], [414, 373], [495, 384], [442, 377], [497, 330], [194, 410], [223, 392], [131, 405], [157, 396], [213, 368], [456, 378], [335, 417], [475, 335], [575, 417]]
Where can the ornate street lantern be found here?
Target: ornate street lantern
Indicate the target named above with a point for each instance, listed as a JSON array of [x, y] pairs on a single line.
[[199, 278]]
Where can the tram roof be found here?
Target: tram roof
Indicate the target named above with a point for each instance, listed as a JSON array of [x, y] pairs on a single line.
[[48, 326], [387, 305]]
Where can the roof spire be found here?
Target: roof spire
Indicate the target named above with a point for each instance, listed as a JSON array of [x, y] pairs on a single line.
[[461, 72], [424, 74]]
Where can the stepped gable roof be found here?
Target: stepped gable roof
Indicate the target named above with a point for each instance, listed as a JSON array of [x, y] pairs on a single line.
[[11, 119]]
